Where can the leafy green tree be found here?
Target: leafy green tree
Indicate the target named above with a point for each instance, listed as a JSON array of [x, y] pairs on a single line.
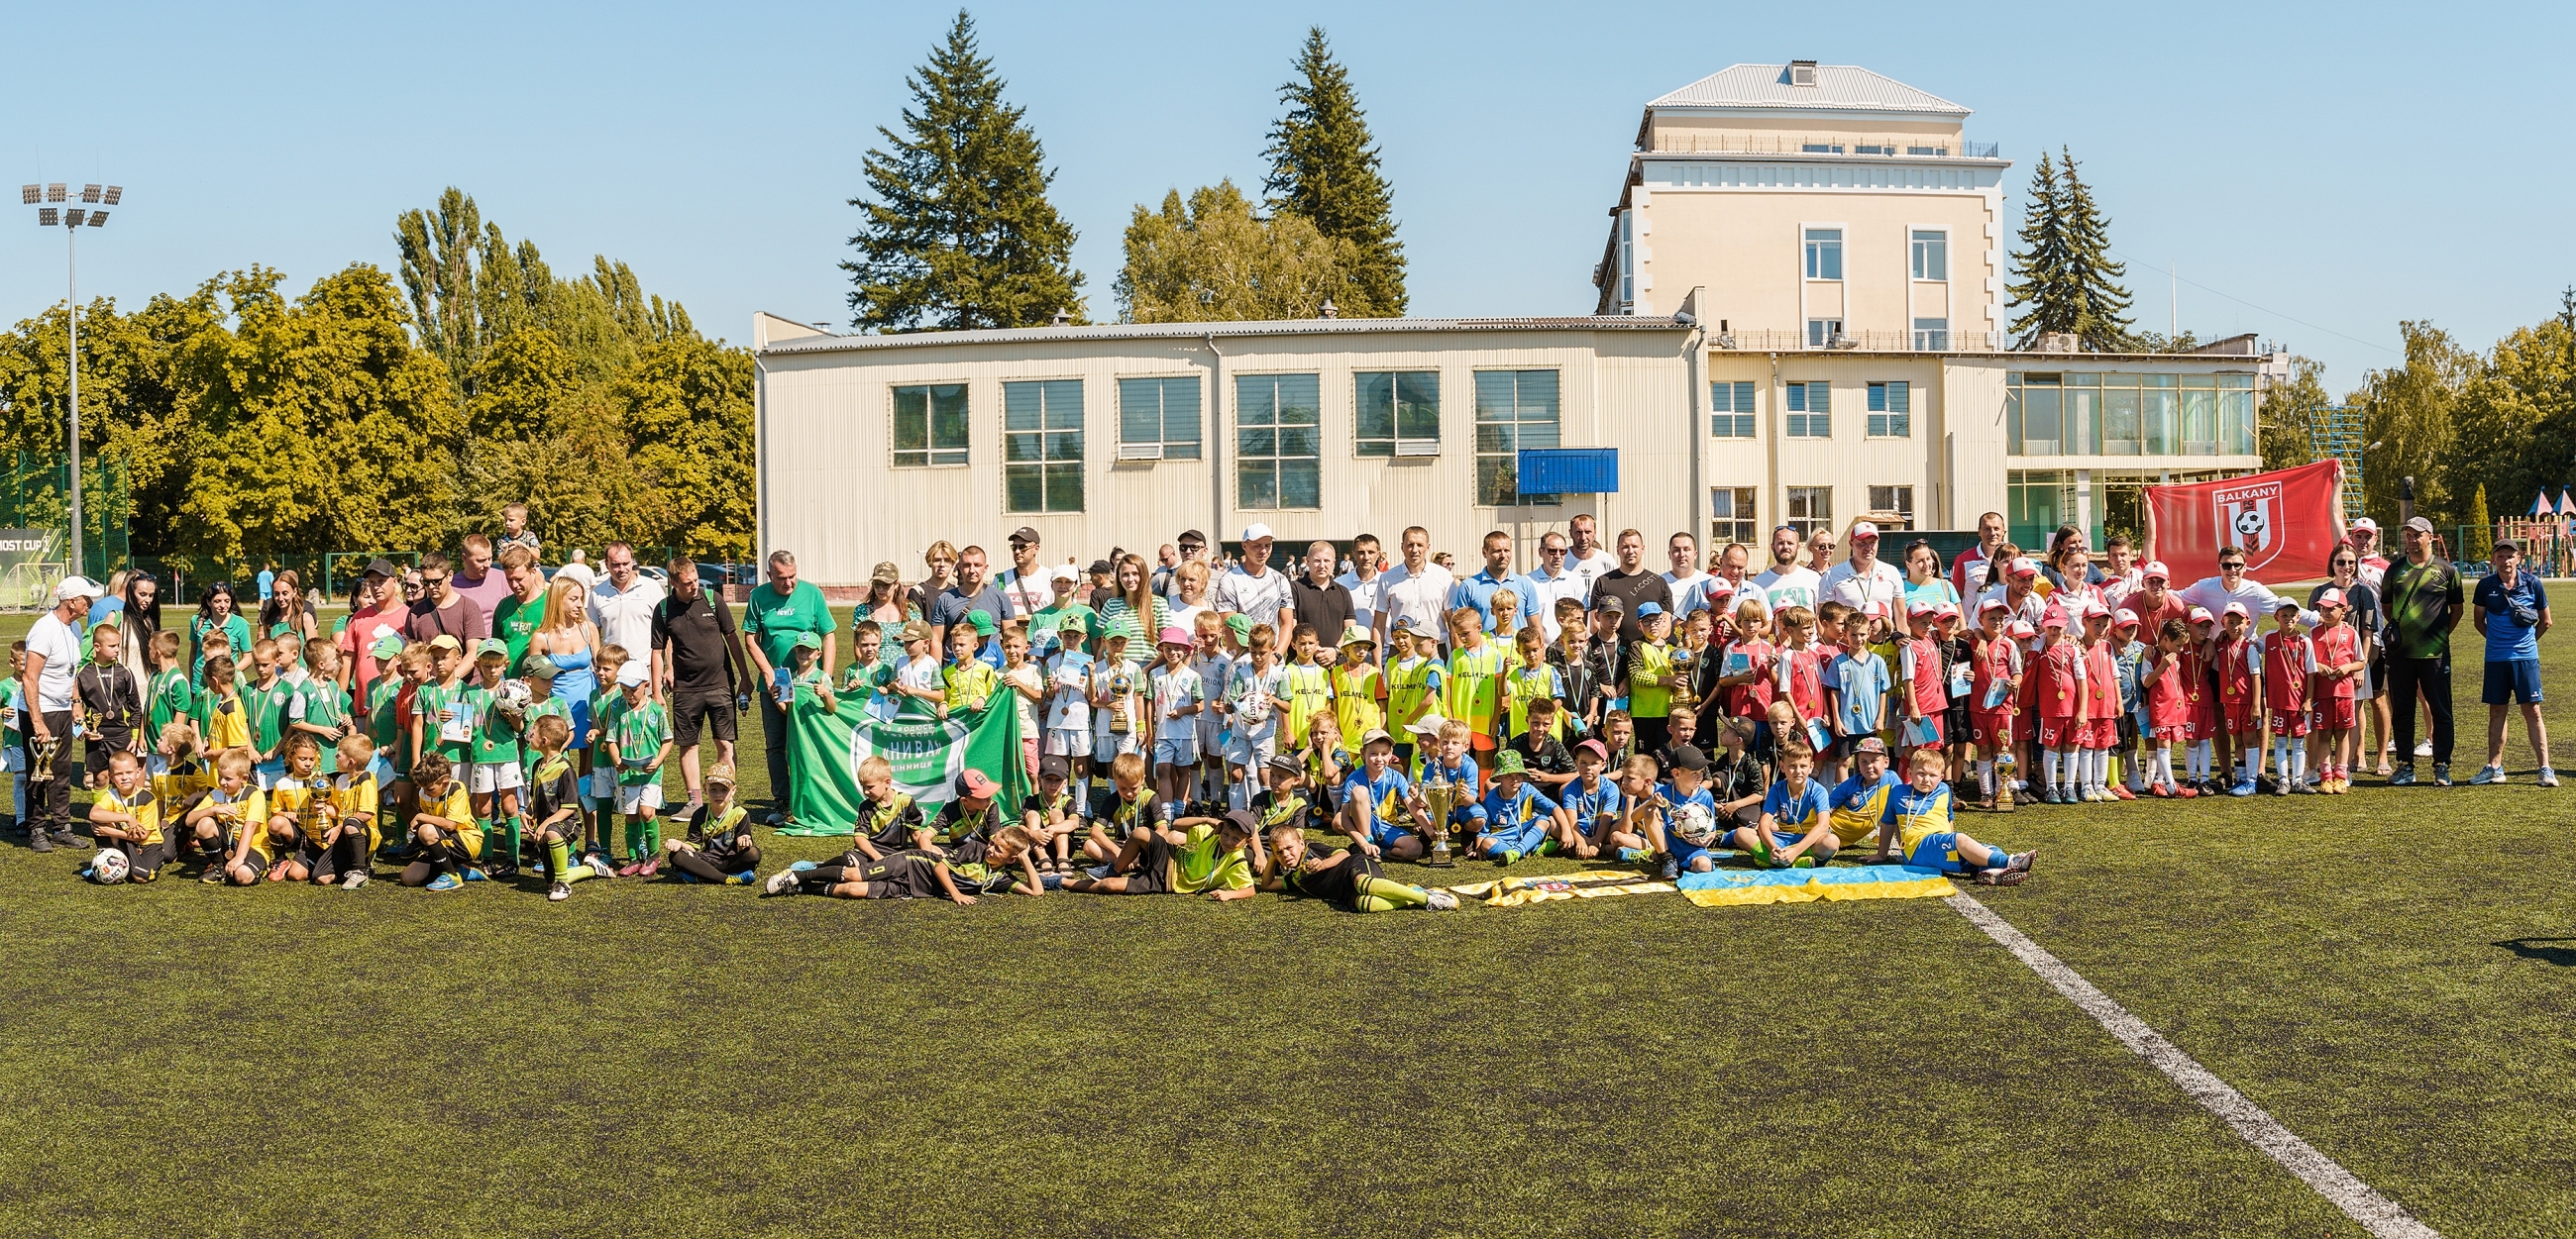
[[2064, 270], [517, 386], [438, 249], [2293, 417], [1325, 166], [1215, 261], [685, 410], [2516, 420], [958, 230], [2407, 411]]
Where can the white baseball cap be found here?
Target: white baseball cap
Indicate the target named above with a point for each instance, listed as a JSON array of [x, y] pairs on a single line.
[[2155, 571], [1256, 532], [2366, 523], [78, 586], [633, 674], [1864, 529]]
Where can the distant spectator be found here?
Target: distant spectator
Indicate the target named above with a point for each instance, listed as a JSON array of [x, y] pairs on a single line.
[[2422, 600], [267, 579]]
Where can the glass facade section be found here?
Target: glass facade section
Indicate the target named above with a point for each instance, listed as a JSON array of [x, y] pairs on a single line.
[[2111, 414]]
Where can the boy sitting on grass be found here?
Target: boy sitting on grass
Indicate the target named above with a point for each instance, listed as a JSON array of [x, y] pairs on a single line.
[[350, 848], [1381, 809], [1513, 820], [554, 808], [233, 808], [888, 819], [1684, 828], [1189, 856], [719, 847], [447, 843], [1797, 816], [1119, 812], [1051, 814], [126, 817], [1918, 825], [1348, 879]]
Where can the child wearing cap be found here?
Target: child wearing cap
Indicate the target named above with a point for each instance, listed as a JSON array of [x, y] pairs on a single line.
[[2200, 693], [2101, 730], [1178, 697], [921, 691], [1958, 645], [637, 734], [2338, 647], [1380, 808], [1648, 686], [2058, 674], [966, 824], [538, 671], [2289, 666], [1918, 827], [1922, 689], [1589, 803], [1859, 803], [2129, 663], [2236, 659], [1358, 688], [1513, 820], [2165, 679], [494, 778]]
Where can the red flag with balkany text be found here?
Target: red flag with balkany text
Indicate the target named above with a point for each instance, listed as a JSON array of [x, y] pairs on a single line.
[[2286, 520]]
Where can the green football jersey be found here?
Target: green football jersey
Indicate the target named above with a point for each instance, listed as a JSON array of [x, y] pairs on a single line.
[[383, 725], [639, 731], [441, 709], [321, 703], [496, 736], [170, 697], [266, 708]]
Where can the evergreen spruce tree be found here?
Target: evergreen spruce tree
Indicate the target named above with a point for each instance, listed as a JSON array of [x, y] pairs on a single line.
[[2481, 537], [2064, 271], [959, 232], [1324, 167]]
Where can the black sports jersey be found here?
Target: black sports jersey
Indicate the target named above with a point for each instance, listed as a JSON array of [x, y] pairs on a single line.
[[890, 824], [1339, 884]]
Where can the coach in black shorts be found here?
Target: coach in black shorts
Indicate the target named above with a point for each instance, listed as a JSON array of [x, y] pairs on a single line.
[[699, 664]]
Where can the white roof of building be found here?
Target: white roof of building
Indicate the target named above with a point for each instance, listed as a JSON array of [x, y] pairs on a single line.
[[1838, 87], [1229, 330]]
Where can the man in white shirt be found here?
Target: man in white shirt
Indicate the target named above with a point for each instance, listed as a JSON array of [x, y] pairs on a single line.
[[2232, 585], [1732, 565], [1554, 580], [1368, 567], [1025, 583], [1865, 578], [45, 725], [1788, 583], [1416, 591], [1586, 557], [1968, 572], [1688, 582], [1257, 590], [623, 605]]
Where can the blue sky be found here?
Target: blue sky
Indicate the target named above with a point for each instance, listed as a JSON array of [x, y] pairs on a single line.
[[2323, 171]]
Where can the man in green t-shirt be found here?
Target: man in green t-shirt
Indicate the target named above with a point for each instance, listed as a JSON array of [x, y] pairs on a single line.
[[524, 610], [775, 615], [2421, 597]]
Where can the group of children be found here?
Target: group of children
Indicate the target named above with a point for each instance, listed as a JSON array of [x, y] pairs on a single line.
[[258, 766]]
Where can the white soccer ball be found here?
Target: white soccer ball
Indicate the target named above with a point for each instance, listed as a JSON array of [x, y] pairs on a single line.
[[110, 868], [1693, 825], [514, 697]]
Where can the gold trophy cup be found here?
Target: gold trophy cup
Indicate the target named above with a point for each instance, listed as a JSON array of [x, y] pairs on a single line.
[[1439, 797], [1685, 668]]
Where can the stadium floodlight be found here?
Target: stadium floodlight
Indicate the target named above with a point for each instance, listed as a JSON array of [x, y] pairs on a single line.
[[48, 215]]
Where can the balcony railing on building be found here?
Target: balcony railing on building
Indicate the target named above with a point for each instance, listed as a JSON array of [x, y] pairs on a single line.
[[1898, 147], [1769, 340]]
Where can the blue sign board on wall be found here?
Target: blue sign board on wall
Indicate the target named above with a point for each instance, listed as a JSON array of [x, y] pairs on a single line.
[[1568, 471]]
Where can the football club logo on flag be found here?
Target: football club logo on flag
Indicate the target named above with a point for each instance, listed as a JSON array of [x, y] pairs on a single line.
[[2285, 521], [2249, 518]]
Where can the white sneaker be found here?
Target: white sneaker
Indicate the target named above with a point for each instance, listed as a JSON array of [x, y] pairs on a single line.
[[2423, 748], [2548, 777], [356, 879], [1443, 901], [782, 882]]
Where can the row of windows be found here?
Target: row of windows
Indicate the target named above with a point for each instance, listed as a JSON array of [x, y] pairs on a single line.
[[1810, 409], [1928, 252], [2129, 415], [1734, 516], [1930, 334], [1278, 431]]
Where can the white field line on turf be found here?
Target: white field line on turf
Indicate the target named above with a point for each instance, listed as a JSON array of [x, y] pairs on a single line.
[[2377, 1214]]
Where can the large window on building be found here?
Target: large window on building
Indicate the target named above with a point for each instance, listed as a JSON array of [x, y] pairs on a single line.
[[1278, 441], [1042, 446], [1891, 507], [1810, 508], [1158, 419], [1890, 414], [1731, 515], [1932, 334], [1822, 332], [1811, 410], [1514, 409], [930, 425], [1399, 412], [1824, 253], [1730, 410], [1931, 248], [2129, 414], [2036, 502]]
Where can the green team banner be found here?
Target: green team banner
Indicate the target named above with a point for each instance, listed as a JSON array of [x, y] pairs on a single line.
[[825, 748]]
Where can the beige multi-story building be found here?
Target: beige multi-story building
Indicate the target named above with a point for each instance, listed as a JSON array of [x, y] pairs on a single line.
[[1839, 237], [1800, 322]]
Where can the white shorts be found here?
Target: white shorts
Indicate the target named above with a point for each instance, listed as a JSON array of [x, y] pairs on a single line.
[[1212, 737], [633, 798], [1107, 745], [495, 776], [1250, 752], [1061, 742], [601, 785], [1176, 752]]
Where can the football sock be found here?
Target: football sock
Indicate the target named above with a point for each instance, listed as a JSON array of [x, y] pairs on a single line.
[[2164, 767], [513, 830], [2049, 765], [1390, 892], [1372, 903], [1985, 778], [2298, 764], [558, 860]]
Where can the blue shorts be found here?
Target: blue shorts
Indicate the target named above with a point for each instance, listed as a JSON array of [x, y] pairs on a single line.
[[1385, 831], [1938, 850], [1686, 854], [1175, 752], [2516, 681]]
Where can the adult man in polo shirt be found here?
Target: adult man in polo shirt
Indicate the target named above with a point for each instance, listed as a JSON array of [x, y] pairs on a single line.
[[1368, 563], [1478, 591], [1256, 589], [1688, 583], [1632, 583], [441, 611], [970, 594], [380, 605], [778, 613], [2422, 602], [45, 691], [623, 605], [1415, 592], [523, 610], [1586, 557], [1318, 599], [1968, 573], [1865, 578], [2512, 611], [1732, 566], [699, 667], [1024, 583], [1788, 583], [1553, 580]]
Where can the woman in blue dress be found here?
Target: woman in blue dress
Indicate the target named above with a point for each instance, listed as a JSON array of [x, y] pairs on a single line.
[[571, 642]]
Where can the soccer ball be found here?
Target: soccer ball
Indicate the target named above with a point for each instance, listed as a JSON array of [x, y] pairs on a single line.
[[514, 698], [110, 868], [1693, 824], [2249, 527]]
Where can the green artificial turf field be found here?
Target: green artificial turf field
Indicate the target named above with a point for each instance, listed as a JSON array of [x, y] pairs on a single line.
[[2388, 973]]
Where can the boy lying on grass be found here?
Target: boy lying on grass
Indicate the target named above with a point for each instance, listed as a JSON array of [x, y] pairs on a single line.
[[1189, 856]]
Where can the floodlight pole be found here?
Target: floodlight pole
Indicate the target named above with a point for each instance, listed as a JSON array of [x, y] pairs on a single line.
[[71, 250]]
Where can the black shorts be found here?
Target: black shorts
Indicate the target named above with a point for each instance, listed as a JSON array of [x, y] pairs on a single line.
[[693, 708], [2128, 731], [256, 863], [94, 753], [144, 859], [1153, 875], [902, 876]]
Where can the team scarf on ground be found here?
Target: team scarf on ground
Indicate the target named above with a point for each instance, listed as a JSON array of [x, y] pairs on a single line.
[[1726, 888], [1548, 888], [824, 751]]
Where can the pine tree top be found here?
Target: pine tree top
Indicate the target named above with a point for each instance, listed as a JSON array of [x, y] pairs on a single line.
[[1325, 167]]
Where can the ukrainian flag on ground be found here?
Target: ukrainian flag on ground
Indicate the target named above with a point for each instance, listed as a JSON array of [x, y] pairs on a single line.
[[1724, 888]]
